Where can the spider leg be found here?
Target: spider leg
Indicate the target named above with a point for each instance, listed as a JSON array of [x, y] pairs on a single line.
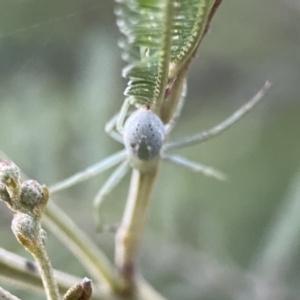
[[91, 171], [218, 129], [122, 114], [110, 129], [196, 167], [108, 186], [169, 127]]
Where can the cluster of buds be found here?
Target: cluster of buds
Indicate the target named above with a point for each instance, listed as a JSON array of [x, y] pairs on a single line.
[[28, 199]]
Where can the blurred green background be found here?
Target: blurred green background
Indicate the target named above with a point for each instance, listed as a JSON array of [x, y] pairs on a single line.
[[60, 82]]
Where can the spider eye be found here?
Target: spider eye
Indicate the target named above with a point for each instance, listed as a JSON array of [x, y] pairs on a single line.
[[143, 134]]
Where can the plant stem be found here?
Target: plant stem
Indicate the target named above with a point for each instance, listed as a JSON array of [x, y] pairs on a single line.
[[41, 257], [24, 273], [88, 254], [5, 295], [82, 247], [131, 228]]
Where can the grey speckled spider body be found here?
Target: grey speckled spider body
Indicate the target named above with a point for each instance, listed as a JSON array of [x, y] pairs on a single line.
[[143, 134]]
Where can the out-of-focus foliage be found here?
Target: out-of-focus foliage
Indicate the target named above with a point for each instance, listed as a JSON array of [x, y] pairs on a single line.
[[60, 81]]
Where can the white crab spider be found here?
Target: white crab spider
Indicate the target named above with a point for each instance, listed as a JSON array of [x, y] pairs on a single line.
[[144, 136]]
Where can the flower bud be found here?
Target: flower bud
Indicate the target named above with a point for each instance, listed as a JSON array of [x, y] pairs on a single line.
[[31, 192], [24, 228], [80, 291], [8, 170]]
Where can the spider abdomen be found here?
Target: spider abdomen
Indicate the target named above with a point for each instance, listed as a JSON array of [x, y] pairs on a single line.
[[143, 134]]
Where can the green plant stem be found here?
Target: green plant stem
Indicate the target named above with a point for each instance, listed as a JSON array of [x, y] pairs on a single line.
[[25, 272], [5, 295], [131, 228], [41, 257], [88, 254], [27, 230], [18, 270], [82, 247]]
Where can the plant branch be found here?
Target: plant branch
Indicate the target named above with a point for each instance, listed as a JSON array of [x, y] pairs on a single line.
[[18, 270], [5, 295], [31, 236], [88, 254], [41, 257], [131, 228]]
